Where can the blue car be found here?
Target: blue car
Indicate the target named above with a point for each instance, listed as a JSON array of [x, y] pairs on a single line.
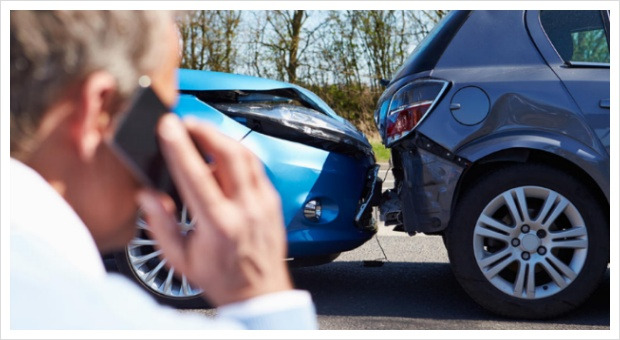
[[322, 166]]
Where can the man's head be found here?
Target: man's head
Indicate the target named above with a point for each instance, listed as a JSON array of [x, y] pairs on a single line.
[[71, 74]]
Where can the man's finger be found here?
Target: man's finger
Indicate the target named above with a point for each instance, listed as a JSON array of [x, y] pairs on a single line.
[[164, 228], [192, 176]]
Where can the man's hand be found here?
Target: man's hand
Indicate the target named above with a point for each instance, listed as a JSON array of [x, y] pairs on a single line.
[[238, 247]]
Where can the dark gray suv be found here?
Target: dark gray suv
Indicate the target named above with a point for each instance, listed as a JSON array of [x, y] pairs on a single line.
[[498, 124]]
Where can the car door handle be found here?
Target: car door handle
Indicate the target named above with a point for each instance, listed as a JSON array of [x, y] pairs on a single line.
[[604, 103]]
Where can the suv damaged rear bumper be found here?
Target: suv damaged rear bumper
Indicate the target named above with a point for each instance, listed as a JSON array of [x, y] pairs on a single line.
[[426, 180]]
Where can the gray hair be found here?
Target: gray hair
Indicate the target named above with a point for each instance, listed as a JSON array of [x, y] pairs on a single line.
[[53, 50]]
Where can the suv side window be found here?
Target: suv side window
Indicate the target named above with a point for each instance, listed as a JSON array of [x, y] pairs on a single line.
[[577, 36]]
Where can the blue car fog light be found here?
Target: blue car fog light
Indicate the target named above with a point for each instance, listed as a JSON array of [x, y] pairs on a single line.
[[312, 210]]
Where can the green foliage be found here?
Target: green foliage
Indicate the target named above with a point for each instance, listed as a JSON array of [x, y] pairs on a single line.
[[590, 46], [381, 152], [355, 103]]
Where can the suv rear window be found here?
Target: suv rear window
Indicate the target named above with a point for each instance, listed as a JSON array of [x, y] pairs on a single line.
[[577, 36]]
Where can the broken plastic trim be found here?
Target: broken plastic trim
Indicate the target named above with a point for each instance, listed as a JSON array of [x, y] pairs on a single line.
[[279, 113], [371, 197]]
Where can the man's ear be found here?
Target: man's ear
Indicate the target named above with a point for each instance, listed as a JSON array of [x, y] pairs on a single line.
[[93, 114]]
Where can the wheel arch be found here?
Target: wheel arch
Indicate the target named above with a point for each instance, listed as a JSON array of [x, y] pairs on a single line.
[[577, 160]]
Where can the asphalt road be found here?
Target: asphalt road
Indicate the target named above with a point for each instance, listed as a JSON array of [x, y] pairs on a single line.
[[399, 282], [413, 288]]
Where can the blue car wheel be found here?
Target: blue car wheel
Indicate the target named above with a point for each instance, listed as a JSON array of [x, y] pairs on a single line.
[[142, 262]]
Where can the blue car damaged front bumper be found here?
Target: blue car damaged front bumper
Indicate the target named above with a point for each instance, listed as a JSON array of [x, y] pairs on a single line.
[[346, 185]]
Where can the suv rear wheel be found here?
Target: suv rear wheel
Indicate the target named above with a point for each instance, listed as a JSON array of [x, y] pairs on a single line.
[[528, 241]]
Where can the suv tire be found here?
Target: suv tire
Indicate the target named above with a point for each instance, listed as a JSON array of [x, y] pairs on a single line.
[[537, 264]]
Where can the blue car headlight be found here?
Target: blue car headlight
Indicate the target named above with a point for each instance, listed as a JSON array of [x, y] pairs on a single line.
[[299, 124]]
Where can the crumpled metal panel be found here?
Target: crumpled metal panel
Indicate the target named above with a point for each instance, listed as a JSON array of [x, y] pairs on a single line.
[[195, 80], [427, 190]]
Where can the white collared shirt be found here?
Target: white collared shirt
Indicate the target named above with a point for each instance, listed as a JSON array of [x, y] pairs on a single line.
[[58, 280]]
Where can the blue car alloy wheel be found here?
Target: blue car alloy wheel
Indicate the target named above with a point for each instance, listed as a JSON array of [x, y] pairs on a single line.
[[322, 166]]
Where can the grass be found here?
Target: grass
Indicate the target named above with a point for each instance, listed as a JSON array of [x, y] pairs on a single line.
[[381, 153]]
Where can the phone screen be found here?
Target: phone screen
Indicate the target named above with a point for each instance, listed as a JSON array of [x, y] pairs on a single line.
[[135, 140]]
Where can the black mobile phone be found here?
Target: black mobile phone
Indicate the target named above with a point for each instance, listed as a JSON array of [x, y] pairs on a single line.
[[135, 141]]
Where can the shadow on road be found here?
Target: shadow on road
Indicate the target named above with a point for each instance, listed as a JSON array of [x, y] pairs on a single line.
[[415, 290]]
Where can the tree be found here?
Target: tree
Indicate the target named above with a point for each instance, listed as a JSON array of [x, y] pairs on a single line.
[[289, 41], [384, 35], [423, 22], [339, 52], [209, 40], [255, 56]]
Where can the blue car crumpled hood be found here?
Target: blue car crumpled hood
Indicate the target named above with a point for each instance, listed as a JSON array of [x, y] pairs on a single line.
[[193, 80], [314, 124]]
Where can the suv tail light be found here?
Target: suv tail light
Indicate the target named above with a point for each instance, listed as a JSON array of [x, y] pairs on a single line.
[[410, 105]]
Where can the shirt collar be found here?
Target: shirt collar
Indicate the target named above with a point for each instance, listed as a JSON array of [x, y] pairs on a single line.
[[39, 213]]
